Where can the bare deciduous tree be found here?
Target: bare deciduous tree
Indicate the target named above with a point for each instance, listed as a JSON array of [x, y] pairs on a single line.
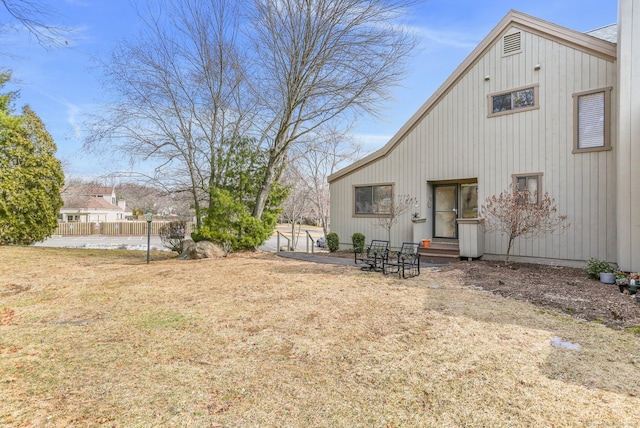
[[181, 96], [321, 61], [296, 207], [314, 161], [400, 205], [520, 213], [192, 83]]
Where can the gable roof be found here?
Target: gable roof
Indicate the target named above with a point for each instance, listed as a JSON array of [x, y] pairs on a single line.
[[608, 33], [88, 203], [101, 190], [588, 43], [90, 190]]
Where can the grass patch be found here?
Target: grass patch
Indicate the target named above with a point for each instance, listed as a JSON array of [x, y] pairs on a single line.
[[100, 338], [163, 320], [634, 330]]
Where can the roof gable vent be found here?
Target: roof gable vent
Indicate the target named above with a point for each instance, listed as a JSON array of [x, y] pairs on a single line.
[[512, 43]]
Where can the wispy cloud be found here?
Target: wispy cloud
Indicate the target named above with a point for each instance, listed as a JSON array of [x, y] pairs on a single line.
[[73, 112], [371, 142], [446, 38]]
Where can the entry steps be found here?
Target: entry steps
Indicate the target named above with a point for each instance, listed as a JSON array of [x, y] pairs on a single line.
[[446, 251]]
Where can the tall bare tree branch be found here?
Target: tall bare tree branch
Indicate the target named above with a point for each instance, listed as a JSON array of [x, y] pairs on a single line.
[[180, 94], [321, 61], [33, 15]]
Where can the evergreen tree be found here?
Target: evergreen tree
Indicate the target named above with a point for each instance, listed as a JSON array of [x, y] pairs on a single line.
[[30, 175], [234, 186]]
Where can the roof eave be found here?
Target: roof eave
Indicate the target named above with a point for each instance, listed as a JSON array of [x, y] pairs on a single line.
[[571, 37]]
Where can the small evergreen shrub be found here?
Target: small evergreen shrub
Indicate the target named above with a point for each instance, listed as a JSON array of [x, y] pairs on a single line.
[[333, 242], [229, 223], [595, 267], [358, 242]]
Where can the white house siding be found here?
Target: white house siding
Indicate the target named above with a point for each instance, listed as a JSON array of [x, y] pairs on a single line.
[[628, 197], [454, 139]]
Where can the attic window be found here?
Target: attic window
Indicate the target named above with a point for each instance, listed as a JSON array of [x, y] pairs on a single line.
[[514, 101], [511, 43]]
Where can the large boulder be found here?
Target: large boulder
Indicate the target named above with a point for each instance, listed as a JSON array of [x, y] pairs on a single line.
[[201, 250]]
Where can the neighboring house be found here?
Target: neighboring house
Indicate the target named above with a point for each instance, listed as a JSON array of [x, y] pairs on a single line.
[[92, 204], [535, 104]]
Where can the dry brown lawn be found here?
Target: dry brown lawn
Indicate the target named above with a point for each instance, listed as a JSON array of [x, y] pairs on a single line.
[[99, 338]]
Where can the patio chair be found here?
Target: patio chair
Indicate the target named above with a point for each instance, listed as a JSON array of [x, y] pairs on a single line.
[[373, 256], [406, 262]]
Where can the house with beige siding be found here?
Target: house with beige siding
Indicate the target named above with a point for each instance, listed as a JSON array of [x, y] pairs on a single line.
[[536, 104]]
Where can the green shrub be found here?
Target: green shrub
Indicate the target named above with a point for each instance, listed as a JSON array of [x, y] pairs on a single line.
[[358, 242], [229, 223], [333, 242], [595, 267]]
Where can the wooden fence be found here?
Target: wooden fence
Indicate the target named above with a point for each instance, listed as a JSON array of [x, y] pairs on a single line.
[[115, 228]]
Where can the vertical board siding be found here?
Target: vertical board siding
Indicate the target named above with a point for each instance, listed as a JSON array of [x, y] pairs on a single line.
[[628, 143], [456, 140]]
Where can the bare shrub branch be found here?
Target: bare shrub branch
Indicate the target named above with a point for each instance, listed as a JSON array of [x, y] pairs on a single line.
[[399, 206], [516, 214]]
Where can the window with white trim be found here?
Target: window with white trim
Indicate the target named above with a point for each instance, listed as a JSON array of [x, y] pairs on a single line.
[[373, 200], [591, 120]]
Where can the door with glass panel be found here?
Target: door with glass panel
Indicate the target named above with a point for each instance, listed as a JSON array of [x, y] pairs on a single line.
[[445, 211], [453, 201]]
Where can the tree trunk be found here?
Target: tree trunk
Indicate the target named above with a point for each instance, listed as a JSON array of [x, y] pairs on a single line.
[[196, 207], [263, 193], [509, 246], [270, 177]]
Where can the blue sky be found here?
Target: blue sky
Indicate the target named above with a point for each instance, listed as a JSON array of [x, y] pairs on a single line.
[[63, 84]]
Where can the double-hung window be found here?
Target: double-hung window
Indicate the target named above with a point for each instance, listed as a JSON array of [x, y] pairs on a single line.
[[591, 120], [373, 199]]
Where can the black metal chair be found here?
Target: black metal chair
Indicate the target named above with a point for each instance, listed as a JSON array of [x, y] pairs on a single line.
[[374, 256], [406, 262]]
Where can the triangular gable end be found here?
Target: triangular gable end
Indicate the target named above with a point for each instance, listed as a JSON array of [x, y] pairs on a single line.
[[513, 21]]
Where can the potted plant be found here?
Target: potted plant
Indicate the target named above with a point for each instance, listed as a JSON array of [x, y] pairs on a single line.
[[634, 283], [622, 281], [601, 269], [621, 278]]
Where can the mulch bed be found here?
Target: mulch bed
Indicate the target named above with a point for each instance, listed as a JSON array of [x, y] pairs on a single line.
[[560, 289]]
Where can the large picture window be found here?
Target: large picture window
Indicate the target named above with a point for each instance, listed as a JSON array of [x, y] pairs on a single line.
[[591, 120], [373, 200], [517, 100]]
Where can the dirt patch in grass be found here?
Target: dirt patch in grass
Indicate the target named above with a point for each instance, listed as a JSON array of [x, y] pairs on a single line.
[[99, 338]]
